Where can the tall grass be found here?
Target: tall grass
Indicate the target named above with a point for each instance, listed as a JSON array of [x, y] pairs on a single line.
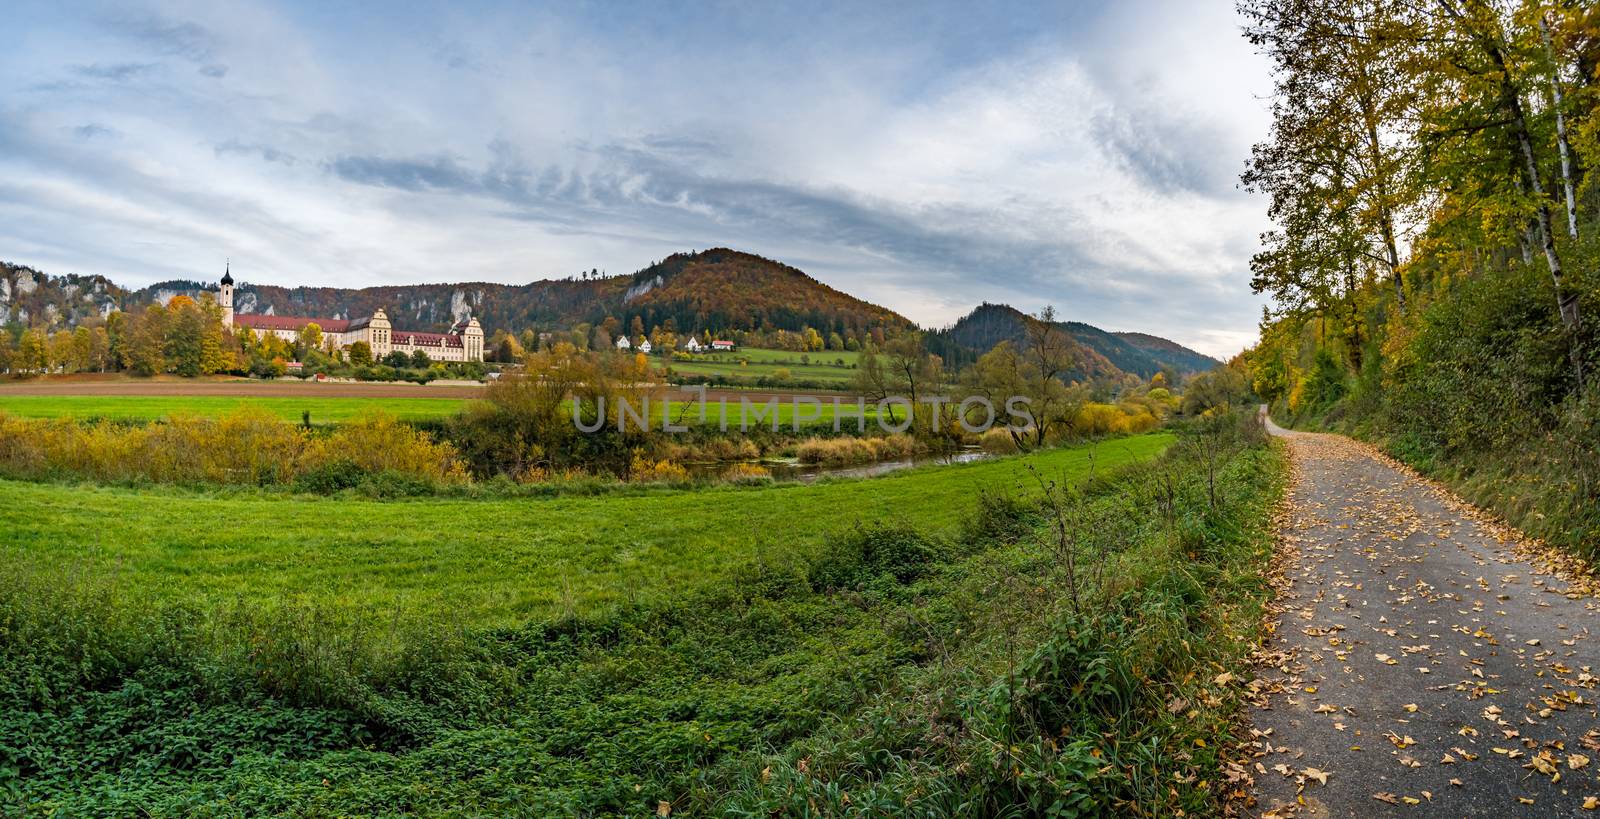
[[247, 446], [854, 450]]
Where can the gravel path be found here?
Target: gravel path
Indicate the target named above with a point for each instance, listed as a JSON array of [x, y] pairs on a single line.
[[1424, 661]]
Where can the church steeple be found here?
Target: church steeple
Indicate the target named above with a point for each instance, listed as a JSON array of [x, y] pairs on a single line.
[[225, 294]]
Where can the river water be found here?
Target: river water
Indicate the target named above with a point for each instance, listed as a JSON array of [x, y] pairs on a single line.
[[789, 469]]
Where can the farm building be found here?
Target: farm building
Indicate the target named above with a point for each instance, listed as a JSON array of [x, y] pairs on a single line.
[[463, 341]]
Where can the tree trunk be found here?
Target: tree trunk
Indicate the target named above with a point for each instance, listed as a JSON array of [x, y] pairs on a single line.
[[1561, 133], [1566, 303], [1529, 231], [1385, 216]]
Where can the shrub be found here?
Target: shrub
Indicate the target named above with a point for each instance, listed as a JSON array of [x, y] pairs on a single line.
[[645, 470], [1094, 420], [746, 473], [870, 551], [328, 478], [998, 441]]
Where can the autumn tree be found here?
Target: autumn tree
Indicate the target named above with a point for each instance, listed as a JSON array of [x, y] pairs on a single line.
[[32, 355], [311, 336], [146, 345]]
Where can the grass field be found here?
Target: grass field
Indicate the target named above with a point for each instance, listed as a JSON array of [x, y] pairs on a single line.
[[324, 410], [333, 410], [477, 561], [755, 362]]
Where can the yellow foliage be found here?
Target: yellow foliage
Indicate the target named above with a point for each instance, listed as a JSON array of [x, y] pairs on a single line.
[[1100, 419], [743, 473], [847, 450], [997, 439], [645, 470], [247, 446]]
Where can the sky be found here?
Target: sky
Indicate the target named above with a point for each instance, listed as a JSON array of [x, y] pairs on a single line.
[[925, 156]]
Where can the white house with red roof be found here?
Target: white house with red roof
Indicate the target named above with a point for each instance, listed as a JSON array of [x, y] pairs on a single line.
[[463, 341]]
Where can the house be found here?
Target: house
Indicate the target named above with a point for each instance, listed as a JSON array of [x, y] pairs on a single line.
[[623, 343], [722, 346], [463, 341], [644, 346], [692, 345]]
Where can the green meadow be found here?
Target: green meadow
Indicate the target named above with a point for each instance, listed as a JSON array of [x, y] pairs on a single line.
[[483, 561], [834, 366], [153, 407], [338, 410]]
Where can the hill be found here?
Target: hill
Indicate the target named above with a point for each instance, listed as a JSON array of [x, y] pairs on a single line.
[[718, 289], [1104, 353], [722, 288], [32, 298]]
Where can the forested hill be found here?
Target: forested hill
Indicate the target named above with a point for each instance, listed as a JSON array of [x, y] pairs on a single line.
[[711, 290], [1103, 353], [722, 288], [717, 289]]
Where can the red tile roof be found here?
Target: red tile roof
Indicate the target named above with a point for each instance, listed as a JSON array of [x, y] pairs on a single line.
[[426, 339], [296, 323]]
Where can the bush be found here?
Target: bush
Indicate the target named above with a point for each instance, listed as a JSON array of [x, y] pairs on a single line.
[[998, 441], [328, 478], [871, 551], [646, 470], [1096, 420]]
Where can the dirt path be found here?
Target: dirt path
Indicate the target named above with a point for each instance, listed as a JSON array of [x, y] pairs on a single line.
[[1425, 662]]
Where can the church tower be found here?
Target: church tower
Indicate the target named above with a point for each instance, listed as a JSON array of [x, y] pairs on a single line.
[[225, 297]]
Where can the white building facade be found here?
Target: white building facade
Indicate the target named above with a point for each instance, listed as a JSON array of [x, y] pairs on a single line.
[[463, 342]]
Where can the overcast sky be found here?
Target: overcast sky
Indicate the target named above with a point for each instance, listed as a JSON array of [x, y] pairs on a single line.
[[926, 157]]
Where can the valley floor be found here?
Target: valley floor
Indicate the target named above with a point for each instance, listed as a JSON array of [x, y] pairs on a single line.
[[478, 561]]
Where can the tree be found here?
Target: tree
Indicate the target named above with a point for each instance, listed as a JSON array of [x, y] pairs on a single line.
[[146, 348], [185, 347], [901, 369], [1048, 354], [397, 359], [361, 354], [311, 336], [31, 355], [117, 339], [1337, 165], [420, 359]]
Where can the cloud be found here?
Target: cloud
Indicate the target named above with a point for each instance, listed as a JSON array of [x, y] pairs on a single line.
[[116, 72], [928, 160], [91, 131], [234, 147], [185, 39], [431, 173]]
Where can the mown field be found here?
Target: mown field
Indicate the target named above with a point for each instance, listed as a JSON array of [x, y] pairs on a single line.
[[324, 410], [333, 410], [835, 366], [477, 561]]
